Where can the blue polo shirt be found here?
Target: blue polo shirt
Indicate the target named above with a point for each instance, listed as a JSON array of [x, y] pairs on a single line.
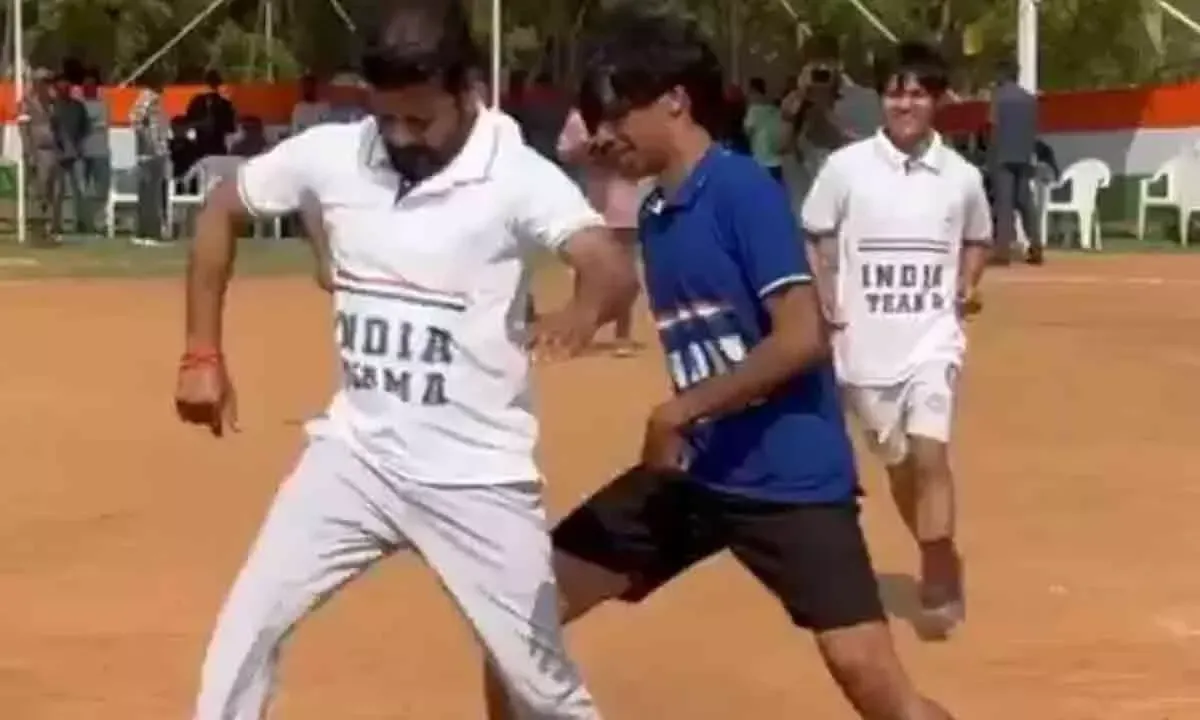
[[725, 241]]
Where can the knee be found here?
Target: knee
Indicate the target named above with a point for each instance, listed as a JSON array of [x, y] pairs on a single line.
[[582, 586], [930, 460]]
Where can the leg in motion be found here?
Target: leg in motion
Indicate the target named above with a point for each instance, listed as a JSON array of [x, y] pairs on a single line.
[[1028, 213], [491, 549], [631, 537], [929, 415], [814, 558], [322, 530]]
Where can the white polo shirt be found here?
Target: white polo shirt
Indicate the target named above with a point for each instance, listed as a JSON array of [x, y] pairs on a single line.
[[430, 289], [900, 224]]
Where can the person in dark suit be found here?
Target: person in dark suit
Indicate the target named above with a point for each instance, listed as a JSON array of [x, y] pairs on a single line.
[[212, 117]]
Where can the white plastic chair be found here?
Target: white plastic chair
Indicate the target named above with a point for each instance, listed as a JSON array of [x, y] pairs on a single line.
[[1084, 180], [123, 185], [1187, 192], [1149, 196]]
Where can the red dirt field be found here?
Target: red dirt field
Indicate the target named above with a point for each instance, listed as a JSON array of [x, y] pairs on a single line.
[[120, 530]]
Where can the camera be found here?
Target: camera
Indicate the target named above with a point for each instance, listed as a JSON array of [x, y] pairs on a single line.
[[820, 75]]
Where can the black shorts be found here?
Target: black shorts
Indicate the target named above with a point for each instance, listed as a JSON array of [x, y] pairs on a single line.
[[651, 526]]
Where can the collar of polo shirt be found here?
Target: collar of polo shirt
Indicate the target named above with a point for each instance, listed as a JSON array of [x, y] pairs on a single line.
[[657, 202], [933, 159], [472, 164]]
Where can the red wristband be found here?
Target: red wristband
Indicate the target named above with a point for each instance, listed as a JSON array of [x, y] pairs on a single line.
[[200, 358]]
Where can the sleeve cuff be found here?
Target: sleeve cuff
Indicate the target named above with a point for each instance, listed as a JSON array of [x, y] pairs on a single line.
[[786, 281], [557, 241]]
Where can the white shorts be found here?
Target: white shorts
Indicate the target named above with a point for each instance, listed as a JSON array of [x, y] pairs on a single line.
[[922, 405]]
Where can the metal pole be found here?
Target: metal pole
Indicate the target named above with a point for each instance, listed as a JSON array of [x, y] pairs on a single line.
[[1027, 44], [18, 44], [270, 40], [874, 20], [497, 49], [1180, 16], [179, 36], [345, 16]]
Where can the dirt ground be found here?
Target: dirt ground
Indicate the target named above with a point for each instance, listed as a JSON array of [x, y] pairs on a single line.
[[120, 530]]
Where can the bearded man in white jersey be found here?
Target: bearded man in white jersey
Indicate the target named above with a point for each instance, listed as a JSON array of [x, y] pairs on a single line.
[[433, 208], [900, 231]]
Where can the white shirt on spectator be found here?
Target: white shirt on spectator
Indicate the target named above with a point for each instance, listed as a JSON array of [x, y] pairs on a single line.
[[431, 285], [900, 223]]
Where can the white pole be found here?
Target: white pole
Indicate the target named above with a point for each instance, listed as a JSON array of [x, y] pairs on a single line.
[[497, 49], [18, 43], [270, 40], [345, 16], [1027, 44], [1180, 16], [179, 36], [874, 20]]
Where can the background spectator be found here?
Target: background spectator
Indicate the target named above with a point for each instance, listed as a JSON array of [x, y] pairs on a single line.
[[311, 109], [153, 147], [616, 197], [733, 131], [181, 148], [542, 115], [252, 138], [70, 132], [346, 103], [1014, 120], [40, 145], [97, 156], [212, 117], [762, 124], [810, 132]]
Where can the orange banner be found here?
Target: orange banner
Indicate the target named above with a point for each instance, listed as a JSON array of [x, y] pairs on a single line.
[[1174, 106]]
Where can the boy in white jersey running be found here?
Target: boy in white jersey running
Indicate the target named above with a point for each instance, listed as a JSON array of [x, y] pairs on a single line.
[[901, 231], [433, 206]]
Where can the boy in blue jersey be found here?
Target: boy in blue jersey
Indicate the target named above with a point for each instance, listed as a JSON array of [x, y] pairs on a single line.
[[752, 453]]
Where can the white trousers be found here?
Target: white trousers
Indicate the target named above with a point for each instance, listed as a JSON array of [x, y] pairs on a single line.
[[334, 517]]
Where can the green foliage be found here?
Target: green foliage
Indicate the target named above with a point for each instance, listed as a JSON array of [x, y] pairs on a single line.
[[1084, 43]]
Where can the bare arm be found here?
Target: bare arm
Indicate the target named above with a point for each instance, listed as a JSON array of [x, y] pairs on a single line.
[[606, 280], [210, 265], [977, 241], [821, 251]]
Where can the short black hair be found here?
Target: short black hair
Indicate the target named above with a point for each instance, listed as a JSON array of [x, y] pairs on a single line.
[[212, 78], [417, 41], [640, 55], [758, 85], [918, 60]]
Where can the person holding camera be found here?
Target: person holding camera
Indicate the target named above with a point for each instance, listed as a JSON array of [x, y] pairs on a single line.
[[811, 130]]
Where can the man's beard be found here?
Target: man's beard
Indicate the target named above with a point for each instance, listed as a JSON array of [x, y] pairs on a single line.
[[414, 162]]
